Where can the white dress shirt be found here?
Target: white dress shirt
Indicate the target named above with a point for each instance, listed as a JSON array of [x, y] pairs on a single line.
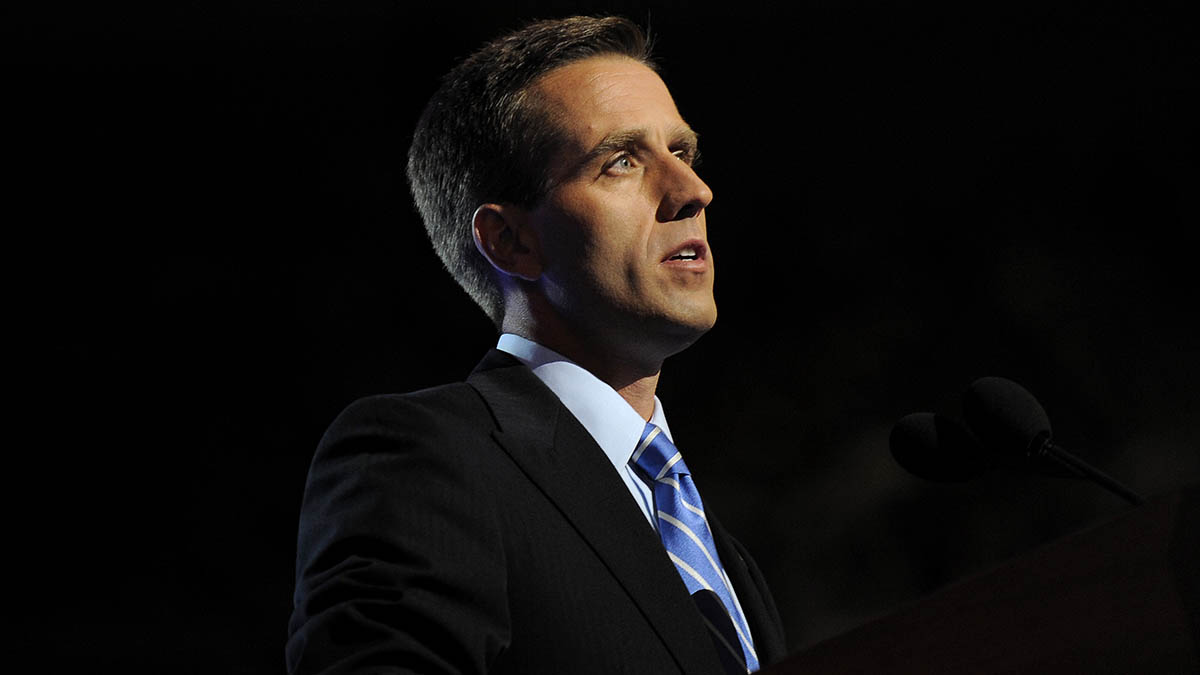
[[612, 422]]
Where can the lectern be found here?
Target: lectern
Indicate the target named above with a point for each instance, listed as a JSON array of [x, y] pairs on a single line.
[[1119, 597]]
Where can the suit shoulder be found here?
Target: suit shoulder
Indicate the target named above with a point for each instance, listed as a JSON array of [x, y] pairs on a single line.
[[398, 528], [448, 405], [442, 422]]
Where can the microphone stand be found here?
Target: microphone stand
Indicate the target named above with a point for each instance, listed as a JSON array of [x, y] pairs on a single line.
[[1043, 447]]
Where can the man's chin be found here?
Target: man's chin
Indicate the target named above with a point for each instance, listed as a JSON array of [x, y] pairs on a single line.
[[703, 323], [684, 328]]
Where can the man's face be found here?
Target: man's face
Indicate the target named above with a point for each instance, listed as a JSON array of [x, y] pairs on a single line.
[[622, 231]]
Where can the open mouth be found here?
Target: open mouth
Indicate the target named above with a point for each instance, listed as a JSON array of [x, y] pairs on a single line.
[[693, 250], [688, 253]]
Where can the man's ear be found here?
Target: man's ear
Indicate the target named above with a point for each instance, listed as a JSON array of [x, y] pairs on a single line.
[[503, 236]]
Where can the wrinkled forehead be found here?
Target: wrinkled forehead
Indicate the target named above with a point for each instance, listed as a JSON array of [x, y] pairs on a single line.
[[592, 96], [592, 99]]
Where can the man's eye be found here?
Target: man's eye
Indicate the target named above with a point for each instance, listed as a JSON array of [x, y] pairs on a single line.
[[621, 164], [687, 156]]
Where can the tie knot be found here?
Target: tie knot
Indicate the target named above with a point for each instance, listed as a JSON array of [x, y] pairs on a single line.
[[656, 455]]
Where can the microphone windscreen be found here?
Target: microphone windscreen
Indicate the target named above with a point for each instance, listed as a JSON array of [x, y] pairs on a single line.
[[936, 448], [1004, 416]]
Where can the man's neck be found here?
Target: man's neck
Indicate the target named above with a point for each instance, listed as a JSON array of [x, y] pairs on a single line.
[[638, 393], [635, 382]]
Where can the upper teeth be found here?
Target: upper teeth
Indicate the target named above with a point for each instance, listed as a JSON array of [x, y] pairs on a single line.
[[685, 253]]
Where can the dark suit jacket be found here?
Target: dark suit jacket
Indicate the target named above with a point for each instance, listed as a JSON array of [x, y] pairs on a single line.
[[477, 527]]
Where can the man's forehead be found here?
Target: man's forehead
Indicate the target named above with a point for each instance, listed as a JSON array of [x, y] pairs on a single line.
[[590, 67], [596, 94], [595, 99]]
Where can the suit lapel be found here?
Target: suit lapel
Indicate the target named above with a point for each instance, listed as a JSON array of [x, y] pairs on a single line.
[[753, 595], [554, 450]]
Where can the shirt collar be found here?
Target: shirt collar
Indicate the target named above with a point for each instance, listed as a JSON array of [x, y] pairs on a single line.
[[611, 421]]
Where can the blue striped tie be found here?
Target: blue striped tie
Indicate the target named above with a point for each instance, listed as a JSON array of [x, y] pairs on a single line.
[[689, 543]]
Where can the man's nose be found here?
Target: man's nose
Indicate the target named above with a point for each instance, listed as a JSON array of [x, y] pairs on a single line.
[[685, 195]]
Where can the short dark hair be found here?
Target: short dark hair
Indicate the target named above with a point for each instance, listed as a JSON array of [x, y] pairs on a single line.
[[484, 138]]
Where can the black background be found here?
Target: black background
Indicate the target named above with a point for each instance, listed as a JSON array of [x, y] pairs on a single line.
[[213, 251]]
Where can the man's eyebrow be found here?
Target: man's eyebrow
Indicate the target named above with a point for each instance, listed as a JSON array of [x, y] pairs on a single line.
[[682, 137], [625, 139]]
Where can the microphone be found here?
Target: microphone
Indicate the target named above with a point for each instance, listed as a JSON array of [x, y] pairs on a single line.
[[1013, 425], [937, 448], [1008, 428]]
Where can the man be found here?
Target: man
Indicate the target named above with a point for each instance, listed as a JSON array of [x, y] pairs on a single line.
[[511, 523]]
